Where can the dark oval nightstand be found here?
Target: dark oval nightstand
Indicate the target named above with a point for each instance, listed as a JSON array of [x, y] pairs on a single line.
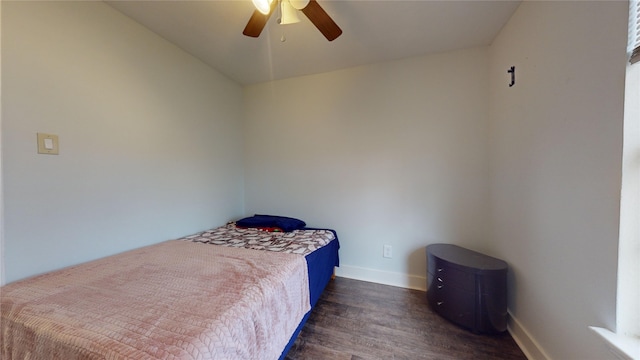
[[467, 287]]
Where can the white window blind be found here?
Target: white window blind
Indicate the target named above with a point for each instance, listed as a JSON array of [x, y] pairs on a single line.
[[634, 31]]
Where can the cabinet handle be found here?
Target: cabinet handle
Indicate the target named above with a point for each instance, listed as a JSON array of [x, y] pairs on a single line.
[[439, 279], [439, 269], [440, 286], [440, 303]]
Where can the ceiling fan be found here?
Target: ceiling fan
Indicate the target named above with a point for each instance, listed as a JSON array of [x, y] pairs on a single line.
[[288, 9]]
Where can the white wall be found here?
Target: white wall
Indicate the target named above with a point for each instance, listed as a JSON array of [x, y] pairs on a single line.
[[628, 311], [556, 141], [1, 187], [150, 137], [393, 153]]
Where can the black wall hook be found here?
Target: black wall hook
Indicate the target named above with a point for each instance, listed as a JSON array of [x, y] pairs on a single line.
[[512, 71]]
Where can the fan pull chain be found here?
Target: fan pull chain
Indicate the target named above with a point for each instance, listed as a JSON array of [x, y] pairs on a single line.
[[279, 20]]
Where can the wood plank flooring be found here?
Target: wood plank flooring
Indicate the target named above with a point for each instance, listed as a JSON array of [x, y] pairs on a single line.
[[356, 320]]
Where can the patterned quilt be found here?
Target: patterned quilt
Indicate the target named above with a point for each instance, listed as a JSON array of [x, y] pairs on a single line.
[[300, 242]]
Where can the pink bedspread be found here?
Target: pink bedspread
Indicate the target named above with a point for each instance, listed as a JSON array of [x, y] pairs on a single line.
[[173, 300]]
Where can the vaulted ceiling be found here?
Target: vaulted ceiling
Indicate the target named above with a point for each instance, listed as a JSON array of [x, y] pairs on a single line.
[[373, 31]]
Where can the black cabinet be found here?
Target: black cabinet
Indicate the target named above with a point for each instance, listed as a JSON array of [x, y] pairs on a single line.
[[467, 288]]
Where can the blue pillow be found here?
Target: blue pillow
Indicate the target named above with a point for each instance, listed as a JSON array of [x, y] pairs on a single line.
[[270, 221]]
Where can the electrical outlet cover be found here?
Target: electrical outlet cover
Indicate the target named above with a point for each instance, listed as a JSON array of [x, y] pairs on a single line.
[[387, 251]]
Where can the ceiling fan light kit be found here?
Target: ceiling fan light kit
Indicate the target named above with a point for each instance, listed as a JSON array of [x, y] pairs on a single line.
[[299, 4], [288, 14], [310, 8], [264, 6]]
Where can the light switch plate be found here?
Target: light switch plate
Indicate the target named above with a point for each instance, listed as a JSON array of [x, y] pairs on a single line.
[[47, 144]]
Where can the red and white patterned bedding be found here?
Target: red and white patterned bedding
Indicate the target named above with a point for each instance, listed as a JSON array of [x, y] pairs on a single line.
[[300, 242]]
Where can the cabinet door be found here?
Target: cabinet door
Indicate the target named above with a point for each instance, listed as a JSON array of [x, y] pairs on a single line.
[[454, 304]]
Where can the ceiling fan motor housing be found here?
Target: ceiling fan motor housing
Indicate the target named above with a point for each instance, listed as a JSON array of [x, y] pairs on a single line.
[[310, 8]]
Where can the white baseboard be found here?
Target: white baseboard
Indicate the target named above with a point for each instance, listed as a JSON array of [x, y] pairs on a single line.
[[529, 346], [383, 277]]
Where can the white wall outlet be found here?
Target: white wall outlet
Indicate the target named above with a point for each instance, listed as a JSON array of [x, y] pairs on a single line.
[[387, 251]]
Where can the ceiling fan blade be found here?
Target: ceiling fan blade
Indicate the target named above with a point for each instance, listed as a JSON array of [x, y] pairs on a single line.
[[258, 21], [322, 20]]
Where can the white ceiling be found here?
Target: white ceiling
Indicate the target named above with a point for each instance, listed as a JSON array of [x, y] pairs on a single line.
[[373, 31]]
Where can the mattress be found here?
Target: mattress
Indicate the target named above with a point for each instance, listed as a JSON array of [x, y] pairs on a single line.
[[180, 299]]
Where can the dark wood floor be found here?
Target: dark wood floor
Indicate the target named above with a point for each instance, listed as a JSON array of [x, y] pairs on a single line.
[[356, 320]]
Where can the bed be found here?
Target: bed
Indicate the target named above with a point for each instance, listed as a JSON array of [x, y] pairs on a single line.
[[233, 292]]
